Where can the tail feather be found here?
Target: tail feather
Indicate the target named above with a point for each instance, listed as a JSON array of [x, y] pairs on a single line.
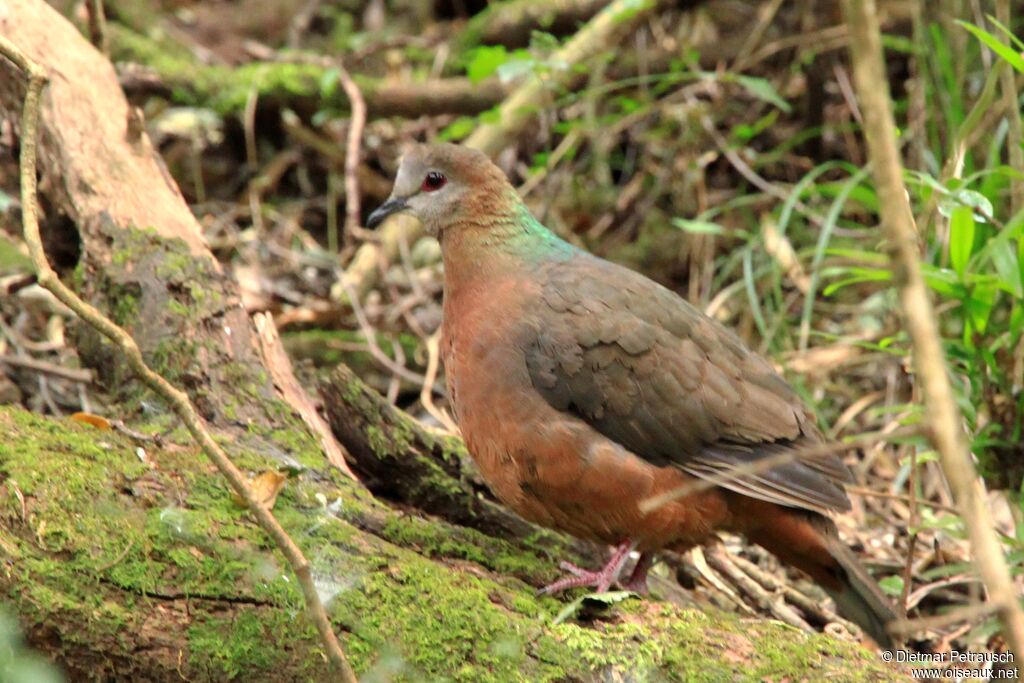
[[858, 596], [809, 541]]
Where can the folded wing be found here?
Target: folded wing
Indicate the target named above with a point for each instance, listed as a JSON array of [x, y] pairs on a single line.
[[651, 372]]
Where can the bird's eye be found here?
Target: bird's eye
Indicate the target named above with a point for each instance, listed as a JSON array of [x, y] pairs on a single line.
[[433, 181]]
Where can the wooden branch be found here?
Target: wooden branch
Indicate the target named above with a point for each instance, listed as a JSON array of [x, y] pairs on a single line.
[[97, 25], [944, 421], [170, 69], [175, 398], [353, 147]]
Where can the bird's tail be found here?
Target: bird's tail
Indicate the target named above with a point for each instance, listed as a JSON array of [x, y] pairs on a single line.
[[858, 597], [810, 542]]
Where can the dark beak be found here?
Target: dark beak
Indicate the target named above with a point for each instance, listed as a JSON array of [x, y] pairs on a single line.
[[394, 205]]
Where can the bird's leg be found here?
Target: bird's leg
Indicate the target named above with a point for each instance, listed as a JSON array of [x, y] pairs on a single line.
[[601, 580], [637, 581]]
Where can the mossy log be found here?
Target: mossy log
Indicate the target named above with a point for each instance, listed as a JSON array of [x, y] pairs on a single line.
[[128, 567], [225, 89]]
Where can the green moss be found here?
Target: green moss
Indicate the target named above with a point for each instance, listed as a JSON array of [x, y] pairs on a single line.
[[225, 90], [225, 648], [106, 535], [462, 635], [125, 306], [437, 539], [12, 259]]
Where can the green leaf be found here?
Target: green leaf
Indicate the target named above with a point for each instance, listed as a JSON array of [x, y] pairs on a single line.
[[567, 611], [892, 585], [610, 597], [458, 129], [952, 199], [763, 90], [980, 303], [1009, 34], [961, 238], [1011, 56], [943, 281], [484, 61], [329, 82], [1004, 258], [698, 227], [1016, 322], [865, 275]]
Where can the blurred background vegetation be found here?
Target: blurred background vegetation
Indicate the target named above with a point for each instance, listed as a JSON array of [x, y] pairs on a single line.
[[713, 146]]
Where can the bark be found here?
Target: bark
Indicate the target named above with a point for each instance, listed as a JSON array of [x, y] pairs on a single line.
[[143, 256]]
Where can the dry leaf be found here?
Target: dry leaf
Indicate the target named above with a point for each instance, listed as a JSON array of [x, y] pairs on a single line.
[[266, 485], [94, 420]]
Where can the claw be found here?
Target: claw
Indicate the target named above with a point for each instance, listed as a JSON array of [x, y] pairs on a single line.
[[600, 580]]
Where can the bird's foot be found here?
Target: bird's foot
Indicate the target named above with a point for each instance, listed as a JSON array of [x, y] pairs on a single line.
[[637, 581], [600, 580]]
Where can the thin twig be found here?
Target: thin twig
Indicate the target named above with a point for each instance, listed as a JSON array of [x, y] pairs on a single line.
[[1011, 101], [942, 415], [176, 398], [371, 340], [753, 177], [97, 25], [965, 613], [426, 394], [356, 124], [871, 493], [72, 374], [912, 524]]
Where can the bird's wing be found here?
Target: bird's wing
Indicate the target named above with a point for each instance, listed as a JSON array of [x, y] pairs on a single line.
[[649, 371]]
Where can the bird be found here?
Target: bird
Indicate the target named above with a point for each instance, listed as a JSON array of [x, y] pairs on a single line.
[[582, 389]]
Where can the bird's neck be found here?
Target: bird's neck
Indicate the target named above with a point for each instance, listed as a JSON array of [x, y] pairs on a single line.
[[509, 242]]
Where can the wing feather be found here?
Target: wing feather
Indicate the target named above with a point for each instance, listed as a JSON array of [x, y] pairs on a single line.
[[654, 374]]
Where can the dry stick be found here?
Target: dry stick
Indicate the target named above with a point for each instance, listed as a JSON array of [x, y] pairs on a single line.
[[73, 374], [1010, 101], [885, 495], [968, 612], [97, 25], [756, 467], [426, 394], [356, 124], [177, 399], [908, 574], [943, 417]]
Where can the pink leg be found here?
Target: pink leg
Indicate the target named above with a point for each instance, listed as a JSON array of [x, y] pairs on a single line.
[[601, 580], [637, 581]]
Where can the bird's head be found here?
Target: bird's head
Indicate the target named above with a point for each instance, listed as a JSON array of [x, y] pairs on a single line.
[[444, 186]]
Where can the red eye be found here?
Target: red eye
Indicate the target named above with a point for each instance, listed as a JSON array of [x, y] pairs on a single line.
[[433, 181]]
